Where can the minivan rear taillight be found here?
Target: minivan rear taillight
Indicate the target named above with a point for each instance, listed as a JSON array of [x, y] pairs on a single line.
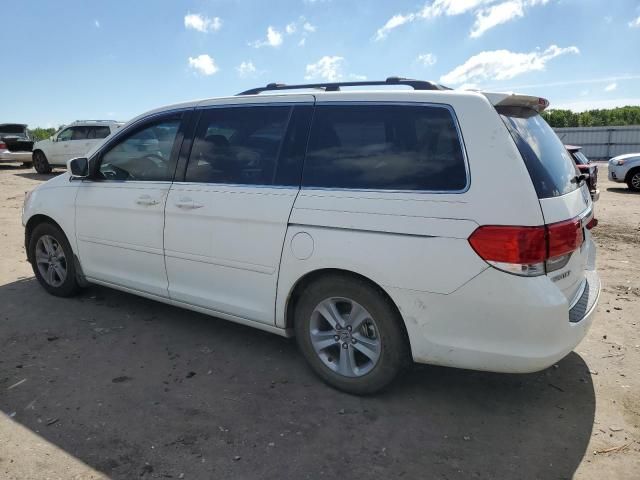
[[528, 251], [3, 146]]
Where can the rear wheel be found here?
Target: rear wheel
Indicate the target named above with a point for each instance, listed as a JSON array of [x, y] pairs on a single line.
[[52, 260], [40, 162], [350, 334], [634, 180]]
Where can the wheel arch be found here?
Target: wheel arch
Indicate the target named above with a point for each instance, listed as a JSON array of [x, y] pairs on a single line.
[[314, 275], [632, 171], [32, 223]]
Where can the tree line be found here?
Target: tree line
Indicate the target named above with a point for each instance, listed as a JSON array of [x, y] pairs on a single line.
[[606, 117], [39, 133]]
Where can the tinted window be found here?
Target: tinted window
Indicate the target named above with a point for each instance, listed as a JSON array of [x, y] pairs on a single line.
[[238, 145], [98, 132], [549, 164], [385, 147], [143, 155]]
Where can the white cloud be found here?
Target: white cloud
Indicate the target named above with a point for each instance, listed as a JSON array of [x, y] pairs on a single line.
[[394, 22], [246, 69], [635, 23], [357, 78], [427, 59], [204, 64], [488, 13], [611, 87], [302, 42], [308, 27], [503, 64], [96, 23], [202, 23], [495, 15], [274, 39], [290, 28], [327, 68]]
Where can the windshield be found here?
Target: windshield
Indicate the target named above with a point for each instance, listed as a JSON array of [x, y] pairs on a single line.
[[13, 131], [550, 166], [580, 158]]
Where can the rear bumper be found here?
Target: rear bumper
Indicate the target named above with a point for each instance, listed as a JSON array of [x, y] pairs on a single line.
[[497, 322], [19, 157]]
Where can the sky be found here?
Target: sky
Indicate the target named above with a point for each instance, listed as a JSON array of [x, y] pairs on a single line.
[[75, 59]]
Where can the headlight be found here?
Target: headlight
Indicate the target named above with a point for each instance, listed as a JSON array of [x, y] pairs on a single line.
[[620, 162]]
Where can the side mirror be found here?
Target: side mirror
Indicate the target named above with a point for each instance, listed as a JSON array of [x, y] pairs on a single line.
[[79, 167]]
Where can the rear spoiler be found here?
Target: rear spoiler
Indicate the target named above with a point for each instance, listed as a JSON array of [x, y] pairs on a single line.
[[514, 100]]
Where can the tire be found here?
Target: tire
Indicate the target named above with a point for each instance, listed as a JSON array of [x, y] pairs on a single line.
[[338, 355], [52, 260], [40, 162], [633, 180]]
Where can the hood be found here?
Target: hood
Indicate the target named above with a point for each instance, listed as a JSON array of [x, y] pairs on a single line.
[[58, 181], [625, 156]]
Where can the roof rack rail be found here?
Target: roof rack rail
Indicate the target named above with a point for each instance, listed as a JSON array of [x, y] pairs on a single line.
[[93, 120], [335, 86]]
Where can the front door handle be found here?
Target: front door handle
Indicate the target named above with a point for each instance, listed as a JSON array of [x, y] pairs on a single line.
[[187, 203], [146, 200]]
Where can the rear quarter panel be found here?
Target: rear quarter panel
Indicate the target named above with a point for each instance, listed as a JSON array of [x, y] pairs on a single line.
[[413, 240]]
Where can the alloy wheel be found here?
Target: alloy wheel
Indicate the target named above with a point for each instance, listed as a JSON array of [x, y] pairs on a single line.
[[345, 337], [51, 261]]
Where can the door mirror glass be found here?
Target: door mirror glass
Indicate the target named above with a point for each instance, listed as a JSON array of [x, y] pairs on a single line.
[[79, 167]]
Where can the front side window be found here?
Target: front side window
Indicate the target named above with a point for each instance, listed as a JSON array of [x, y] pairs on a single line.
[[385, 147], [65, 135], [143, 155], [238, 145]]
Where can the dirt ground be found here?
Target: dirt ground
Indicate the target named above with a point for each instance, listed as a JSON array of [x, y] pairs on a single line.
[[109, 385]]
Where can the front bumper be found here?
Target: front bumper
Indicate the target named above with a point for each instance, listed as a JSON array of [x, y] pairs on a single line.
[[616, 173], [497, 322], [14, 157]]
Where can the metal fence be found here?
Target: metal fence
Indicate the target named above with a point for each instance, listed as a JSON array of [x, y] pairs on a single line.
[[602, 143]]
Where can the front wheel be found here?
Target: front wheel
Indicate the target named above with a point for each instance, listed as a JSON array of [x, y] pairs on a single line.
[[40, 162], [350, 334], [52, 260], [634, 181]]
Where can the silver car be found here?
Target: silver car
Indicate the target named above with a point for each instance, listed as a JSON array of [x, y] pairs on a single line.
[[626, 169]]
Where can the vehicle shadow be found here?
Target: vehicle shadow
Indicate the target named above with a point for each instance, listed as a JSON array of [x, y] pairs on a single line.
[[620, 190], [135, 388], [39, 176]]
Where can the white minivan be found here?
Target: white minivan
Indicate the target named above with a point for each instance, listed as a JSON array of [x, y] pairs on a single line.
[[377, 226]]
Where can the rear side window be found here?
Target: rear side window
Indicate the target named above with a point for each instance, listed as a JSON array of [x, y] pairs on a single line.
[[550, 166], [98, 132], [238, 145], [385, 147]]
